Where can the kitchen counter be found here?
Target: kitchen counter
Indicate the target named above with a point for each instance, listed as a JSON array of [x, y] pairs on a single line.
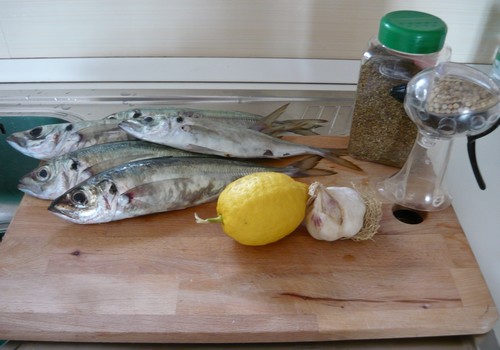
[[457, 165], [163, 278], [479, 342]]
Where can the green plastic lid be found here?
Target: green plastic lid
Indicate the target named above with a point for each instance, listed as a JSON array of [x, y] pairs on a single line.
[[412, 32]]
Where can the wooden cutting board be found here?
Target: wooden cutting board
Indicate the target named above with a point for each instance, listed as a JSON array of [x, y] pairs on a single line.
[[163, 278]]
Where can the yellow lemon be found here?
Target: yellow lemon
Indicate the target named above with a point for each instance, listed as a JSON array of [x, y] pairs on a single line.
[[261, 208]]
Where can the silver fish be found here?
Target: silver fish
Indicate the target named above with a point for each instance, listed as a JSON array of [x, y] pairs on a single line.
[[48, 141], [157, 185], [207, 137], [51, 140], [59, 174], [268, 125]]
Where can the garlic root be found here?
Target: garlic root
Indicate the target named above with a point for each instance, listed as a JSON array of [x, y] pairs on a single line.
[[371, 220]]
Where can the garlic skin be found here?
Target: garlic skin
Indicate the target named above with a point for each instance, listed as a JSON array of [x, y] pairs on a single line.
[[334, 212], [353, 209]]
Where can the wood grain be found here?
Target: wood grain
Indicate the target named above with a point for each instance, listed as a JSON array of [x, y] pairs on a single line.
[[163, 278]]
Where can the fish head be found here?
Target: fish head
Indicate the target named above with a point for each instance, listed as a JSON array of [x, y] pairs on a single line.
[[87, 203], [124, 115], [41, 141], [42, 182], [154, 128], [52, 178]]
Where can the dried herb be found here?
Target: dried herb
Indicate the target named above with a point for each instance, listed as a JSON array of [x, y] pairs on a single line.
[[381, 131]]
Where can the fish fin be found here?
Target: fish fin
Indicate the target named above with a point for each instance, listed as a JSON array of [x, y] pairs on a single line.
[[332, 156], [273, 116], [266, 122], [110, 163], [142, 195], [298, 132], [302, 123], [305, 167], [90, 131], [336, 151], [206, 150], [296, 126], [145, 195], [199, 129]]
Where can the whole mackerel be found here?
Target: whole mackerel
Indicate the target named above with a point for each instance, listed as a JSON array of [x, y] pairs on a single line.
[[59, 174], [269, 124], [48, 141], [51, 140], [154, 185], [207, 137]]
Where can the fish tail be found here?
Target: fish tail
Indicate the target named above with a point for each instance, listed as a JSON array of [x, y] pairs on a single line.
[[336, 151], [334, 155], [297, 126], [305, 167], [271, 126], [266, 122]]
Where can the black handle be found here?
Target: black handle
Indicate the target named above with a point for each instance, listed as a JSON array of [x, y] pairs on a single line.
[[471, 150], [399, 92]]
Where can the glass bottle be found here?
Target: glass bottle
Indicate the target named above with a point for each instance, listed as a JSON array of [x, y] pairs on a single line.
[[448, 101], [495, 68], [407, 42]]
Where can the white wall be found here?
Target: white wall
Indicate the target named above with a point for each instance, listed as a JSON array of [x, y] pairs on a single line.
[[336, 29]]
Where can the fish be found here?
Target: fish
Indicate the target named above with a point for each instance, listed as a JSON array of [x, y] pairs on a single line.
[[158, 185], [51, 140], [207, 137], [269, 124], [58, 174]]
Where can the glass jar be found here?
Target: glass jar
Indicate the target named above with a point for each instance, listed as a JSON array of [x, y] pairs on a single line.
[[495, 68], [407, 42]]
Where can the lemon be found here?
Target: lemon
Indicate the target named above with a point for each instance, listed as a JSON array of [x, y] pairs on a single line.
[[261, 208]]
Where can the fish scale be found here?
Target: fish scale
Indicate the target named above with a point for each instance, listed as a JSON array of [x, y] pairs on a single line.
[[157, 185], [208, 137], [48, 141], [65, 171]]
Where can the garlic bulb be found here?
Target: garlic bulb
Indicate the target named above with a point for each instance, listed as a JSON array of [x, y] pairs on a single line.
[[334, 212]]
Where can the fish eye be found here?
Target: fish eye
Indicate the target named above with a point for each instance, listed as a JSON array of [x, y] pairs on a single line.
[[69, 127], [42, 174], [137, 114], [179, 119], [79, 198], [148, 119], [36, 132]]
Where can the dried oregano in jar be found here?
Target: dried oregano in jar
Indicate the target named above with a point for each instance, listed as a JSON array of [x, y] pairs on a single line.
[[408, 41]]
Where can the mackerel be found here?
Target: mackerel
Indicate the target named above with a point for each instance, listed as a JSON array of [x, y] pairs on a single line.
[[51, 140], [269, 124], [207, 137], [59, 174], [156, 185]]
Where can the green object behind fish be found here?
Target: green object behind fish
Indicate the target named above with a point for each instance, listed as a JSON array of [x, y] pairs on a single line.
[[13, 165]]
